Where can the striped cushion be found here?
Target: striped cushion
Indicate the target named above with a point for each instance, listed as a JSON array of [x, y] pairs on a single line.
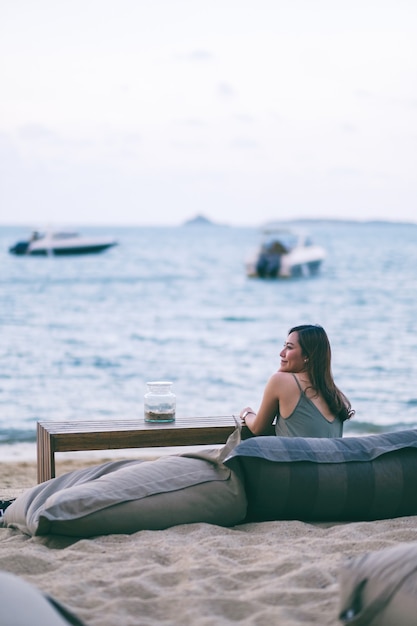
[[341, 479], [128, 496], [380, 588]]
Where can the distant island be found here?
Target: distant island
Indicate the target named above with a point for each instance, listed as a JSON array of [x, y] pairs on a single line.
[[199, 220]]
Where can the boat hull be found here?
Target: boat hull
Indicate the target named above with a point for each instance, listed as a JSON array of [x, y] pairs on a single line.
[[61, 244], [310, 268], [88, 249]]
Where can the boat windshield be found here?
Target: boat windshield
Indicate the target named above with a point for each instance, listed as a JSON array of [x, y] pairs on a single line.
[[279, 242], [64, 235]]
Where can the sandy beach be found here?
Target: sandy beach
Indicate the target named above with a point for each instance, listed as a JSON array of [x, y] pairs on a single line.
[[255, 574]]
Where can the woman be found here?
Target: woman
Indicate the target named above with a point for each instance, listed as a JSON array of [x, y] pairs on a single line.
[[302, 394]]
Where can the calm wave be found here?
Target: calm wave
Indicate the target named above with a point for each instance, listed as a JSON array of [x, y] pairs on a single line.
[[81, 336]]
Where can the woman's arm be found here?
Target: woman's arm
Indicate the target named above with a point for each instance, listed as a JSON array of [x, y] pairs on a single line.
[[260, 423]]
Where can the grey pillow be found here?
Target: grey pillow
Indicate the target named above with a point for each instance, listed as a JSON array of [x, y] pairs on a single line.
[[23, 604], [380, 588], [340, 479], [127, 496]]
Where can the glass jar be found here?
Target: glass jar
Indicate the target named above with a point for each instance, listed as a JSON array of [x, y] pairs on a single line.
[[160, 402]]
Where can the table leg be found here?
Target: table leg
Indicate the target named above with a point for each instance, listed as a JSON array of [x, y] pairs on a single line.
[[45, 454]]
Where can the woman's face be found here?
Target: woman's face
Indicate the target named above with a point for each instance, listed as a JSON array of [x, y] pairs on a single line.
[[292, 358]]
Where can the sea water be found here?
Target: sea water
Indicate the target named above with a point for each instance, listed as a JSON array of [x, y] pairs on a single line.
[[81, 336]]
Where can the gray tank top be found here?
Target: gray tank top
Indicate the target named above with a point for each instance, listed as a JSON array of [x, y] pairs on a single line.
[[307, 421]]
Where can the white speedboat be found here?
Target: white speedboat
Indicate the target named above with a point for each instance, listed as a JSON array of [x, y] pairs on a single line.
[[285, 253], [60, 243]]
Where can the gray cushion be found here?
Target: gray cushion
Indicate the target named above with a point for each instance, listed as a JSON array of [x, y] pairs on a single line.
[[380, 588], [21, 604], [127, 496], [340, 479]]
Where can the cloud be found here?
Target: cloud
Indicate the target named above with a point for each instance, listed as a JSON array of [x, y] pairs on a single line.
[[345, 172], [225, 90], [193, 122], [197, 56], [200, 55], [390, 99], [36, 132], [244, 118], [244, 143], [347, 127]]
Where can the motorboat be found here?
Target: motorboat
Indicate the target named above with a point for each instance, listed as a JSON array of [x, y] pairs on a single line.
[[60, 243], [284, 253]]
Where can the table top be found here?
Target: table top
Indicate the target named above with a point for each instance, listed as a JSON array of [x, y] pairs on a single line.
[[139, 425]]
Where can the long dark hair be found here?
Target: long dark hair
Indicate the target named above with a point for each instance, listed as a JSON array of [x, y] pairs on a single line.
[[315, 346]]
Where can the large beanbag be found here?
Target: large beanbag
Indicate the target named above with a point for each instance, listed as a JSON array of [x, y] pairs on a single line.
[[342, 479], [127, 496], [21, 604], [380, 588]]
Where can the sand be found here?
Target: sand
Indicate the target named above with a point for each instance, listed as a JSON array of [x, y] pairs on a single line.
[[253, 574]]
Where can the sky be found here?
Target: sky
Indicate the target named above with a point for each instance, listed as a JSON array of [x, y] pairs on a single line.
[[148, 112]]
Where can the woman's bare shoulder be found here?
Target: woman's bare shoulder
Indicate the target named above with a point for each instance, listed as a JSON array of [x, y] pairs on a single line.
[[283, 379]]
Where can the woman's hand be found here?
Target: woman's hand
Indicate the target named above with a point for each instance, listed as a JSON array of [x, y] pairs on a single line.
[[247, 411]]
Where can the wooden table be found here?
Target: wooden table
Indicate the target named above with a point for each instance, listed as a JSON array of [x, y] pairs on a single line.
[[114, 434]]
